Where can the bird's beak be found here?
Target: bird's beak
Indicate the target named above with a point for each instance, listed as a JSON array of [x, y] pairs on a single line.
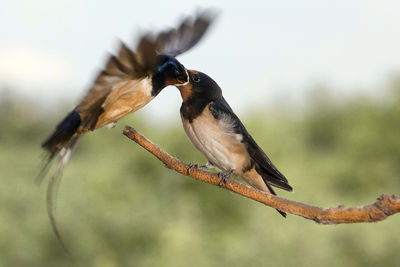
[[183, 79], [185, 88]]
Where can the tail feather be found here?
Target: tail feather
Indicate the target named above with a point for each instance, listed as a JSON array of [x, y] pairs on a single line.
[[277, 183], [273, 192], [272, 179], [51, 199], [63, 133], [46, 164], [54, 183], [61, 143]]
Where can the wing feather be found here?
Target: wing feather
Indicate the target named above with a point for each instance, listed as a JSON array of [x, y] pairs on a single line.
[[177, 41], [128, 65], [264, 166]]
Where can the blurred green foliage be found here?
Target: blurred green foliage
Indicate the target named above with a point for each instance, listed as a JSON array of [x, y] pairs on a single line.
[[119, 206]]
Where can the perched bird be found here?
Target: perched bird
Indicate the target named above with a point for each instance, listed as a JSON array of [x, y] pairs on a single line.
[[128, 82], [218, 133]]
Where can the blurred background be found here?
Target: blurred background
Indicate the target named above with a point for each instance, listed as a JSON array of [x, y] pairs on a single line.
[[317, 84]]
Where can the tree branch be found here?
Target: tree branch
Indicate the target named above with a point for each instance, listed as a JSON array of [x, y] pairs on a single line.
[[385, 206]]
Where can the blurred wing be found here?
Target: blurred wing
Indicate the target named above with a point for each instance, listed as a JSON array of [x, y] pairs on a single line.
[[146, 54], [117, 71], [129, 65], [177, 41], [172, 42]]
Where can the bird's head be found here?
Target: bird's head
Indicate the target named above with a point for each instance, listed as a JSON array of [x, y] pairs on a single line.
[[200, 86], [169, 71]]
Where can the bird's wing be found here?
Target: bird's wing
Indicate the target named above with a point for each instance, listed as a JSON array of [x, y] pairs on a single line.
[[129, 65], [116, 72], [264, 166], [173, 42], [177, 41]]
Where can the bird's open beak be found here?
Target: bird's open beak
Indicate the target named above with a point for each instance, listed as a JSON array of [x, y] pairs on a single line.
[[185, 88], [183, 79]]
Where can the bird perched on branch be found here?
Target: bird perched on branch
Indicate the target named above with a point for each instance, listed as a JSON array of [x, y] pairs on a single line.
[[129, 81], [218, 133]]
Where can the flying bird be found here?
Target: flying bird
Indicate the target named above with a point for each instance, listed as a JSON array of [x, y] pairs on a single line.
[[129, 81], [218, 133]]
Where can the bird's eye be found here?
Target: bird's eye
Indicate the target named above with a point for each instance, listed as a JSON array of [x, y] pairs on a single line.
[[196, 78]]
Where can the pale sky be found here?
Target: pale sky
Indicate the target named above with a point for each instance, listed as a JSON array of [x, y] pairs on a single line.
[[260, 52]]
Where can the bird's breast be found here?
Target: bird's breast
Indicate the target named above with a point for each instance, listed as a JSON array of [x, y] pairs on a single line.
[[217, 140], [126, 97]]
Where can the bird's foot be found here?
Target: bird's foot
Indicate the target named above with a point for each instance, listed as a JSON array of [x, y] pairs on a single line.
[[224, 176], [191, 166], [202, 167]]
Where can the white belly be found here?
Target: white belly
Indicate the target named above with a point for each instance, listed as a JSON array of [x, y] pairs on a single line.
[[217, 142]]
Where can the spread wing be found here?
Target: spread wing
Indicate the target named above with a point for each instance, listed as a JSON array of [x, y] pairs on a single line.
[[130, 65], [118, 69], [177, 41], [264, 166]]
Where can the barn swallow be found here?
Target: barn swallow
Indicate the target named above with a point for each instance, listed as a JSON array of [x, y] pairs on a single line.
[[128, 82], [217, 132]]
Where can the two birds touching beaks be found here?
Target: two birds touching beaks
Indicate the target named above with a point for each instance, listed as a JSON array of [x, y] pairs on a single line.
[[132, 78]]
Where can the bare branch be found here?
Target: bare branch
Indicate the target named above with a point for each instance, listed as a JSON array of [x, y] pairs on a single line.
[[385, 206]]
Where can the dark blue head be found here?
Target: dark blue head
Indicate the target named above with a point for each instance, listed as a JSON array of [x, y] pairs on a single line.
[[169, 71]]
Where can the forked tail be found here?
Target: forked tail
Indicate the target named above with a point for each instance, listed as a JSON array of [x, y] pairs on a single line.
[[61, 143]]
